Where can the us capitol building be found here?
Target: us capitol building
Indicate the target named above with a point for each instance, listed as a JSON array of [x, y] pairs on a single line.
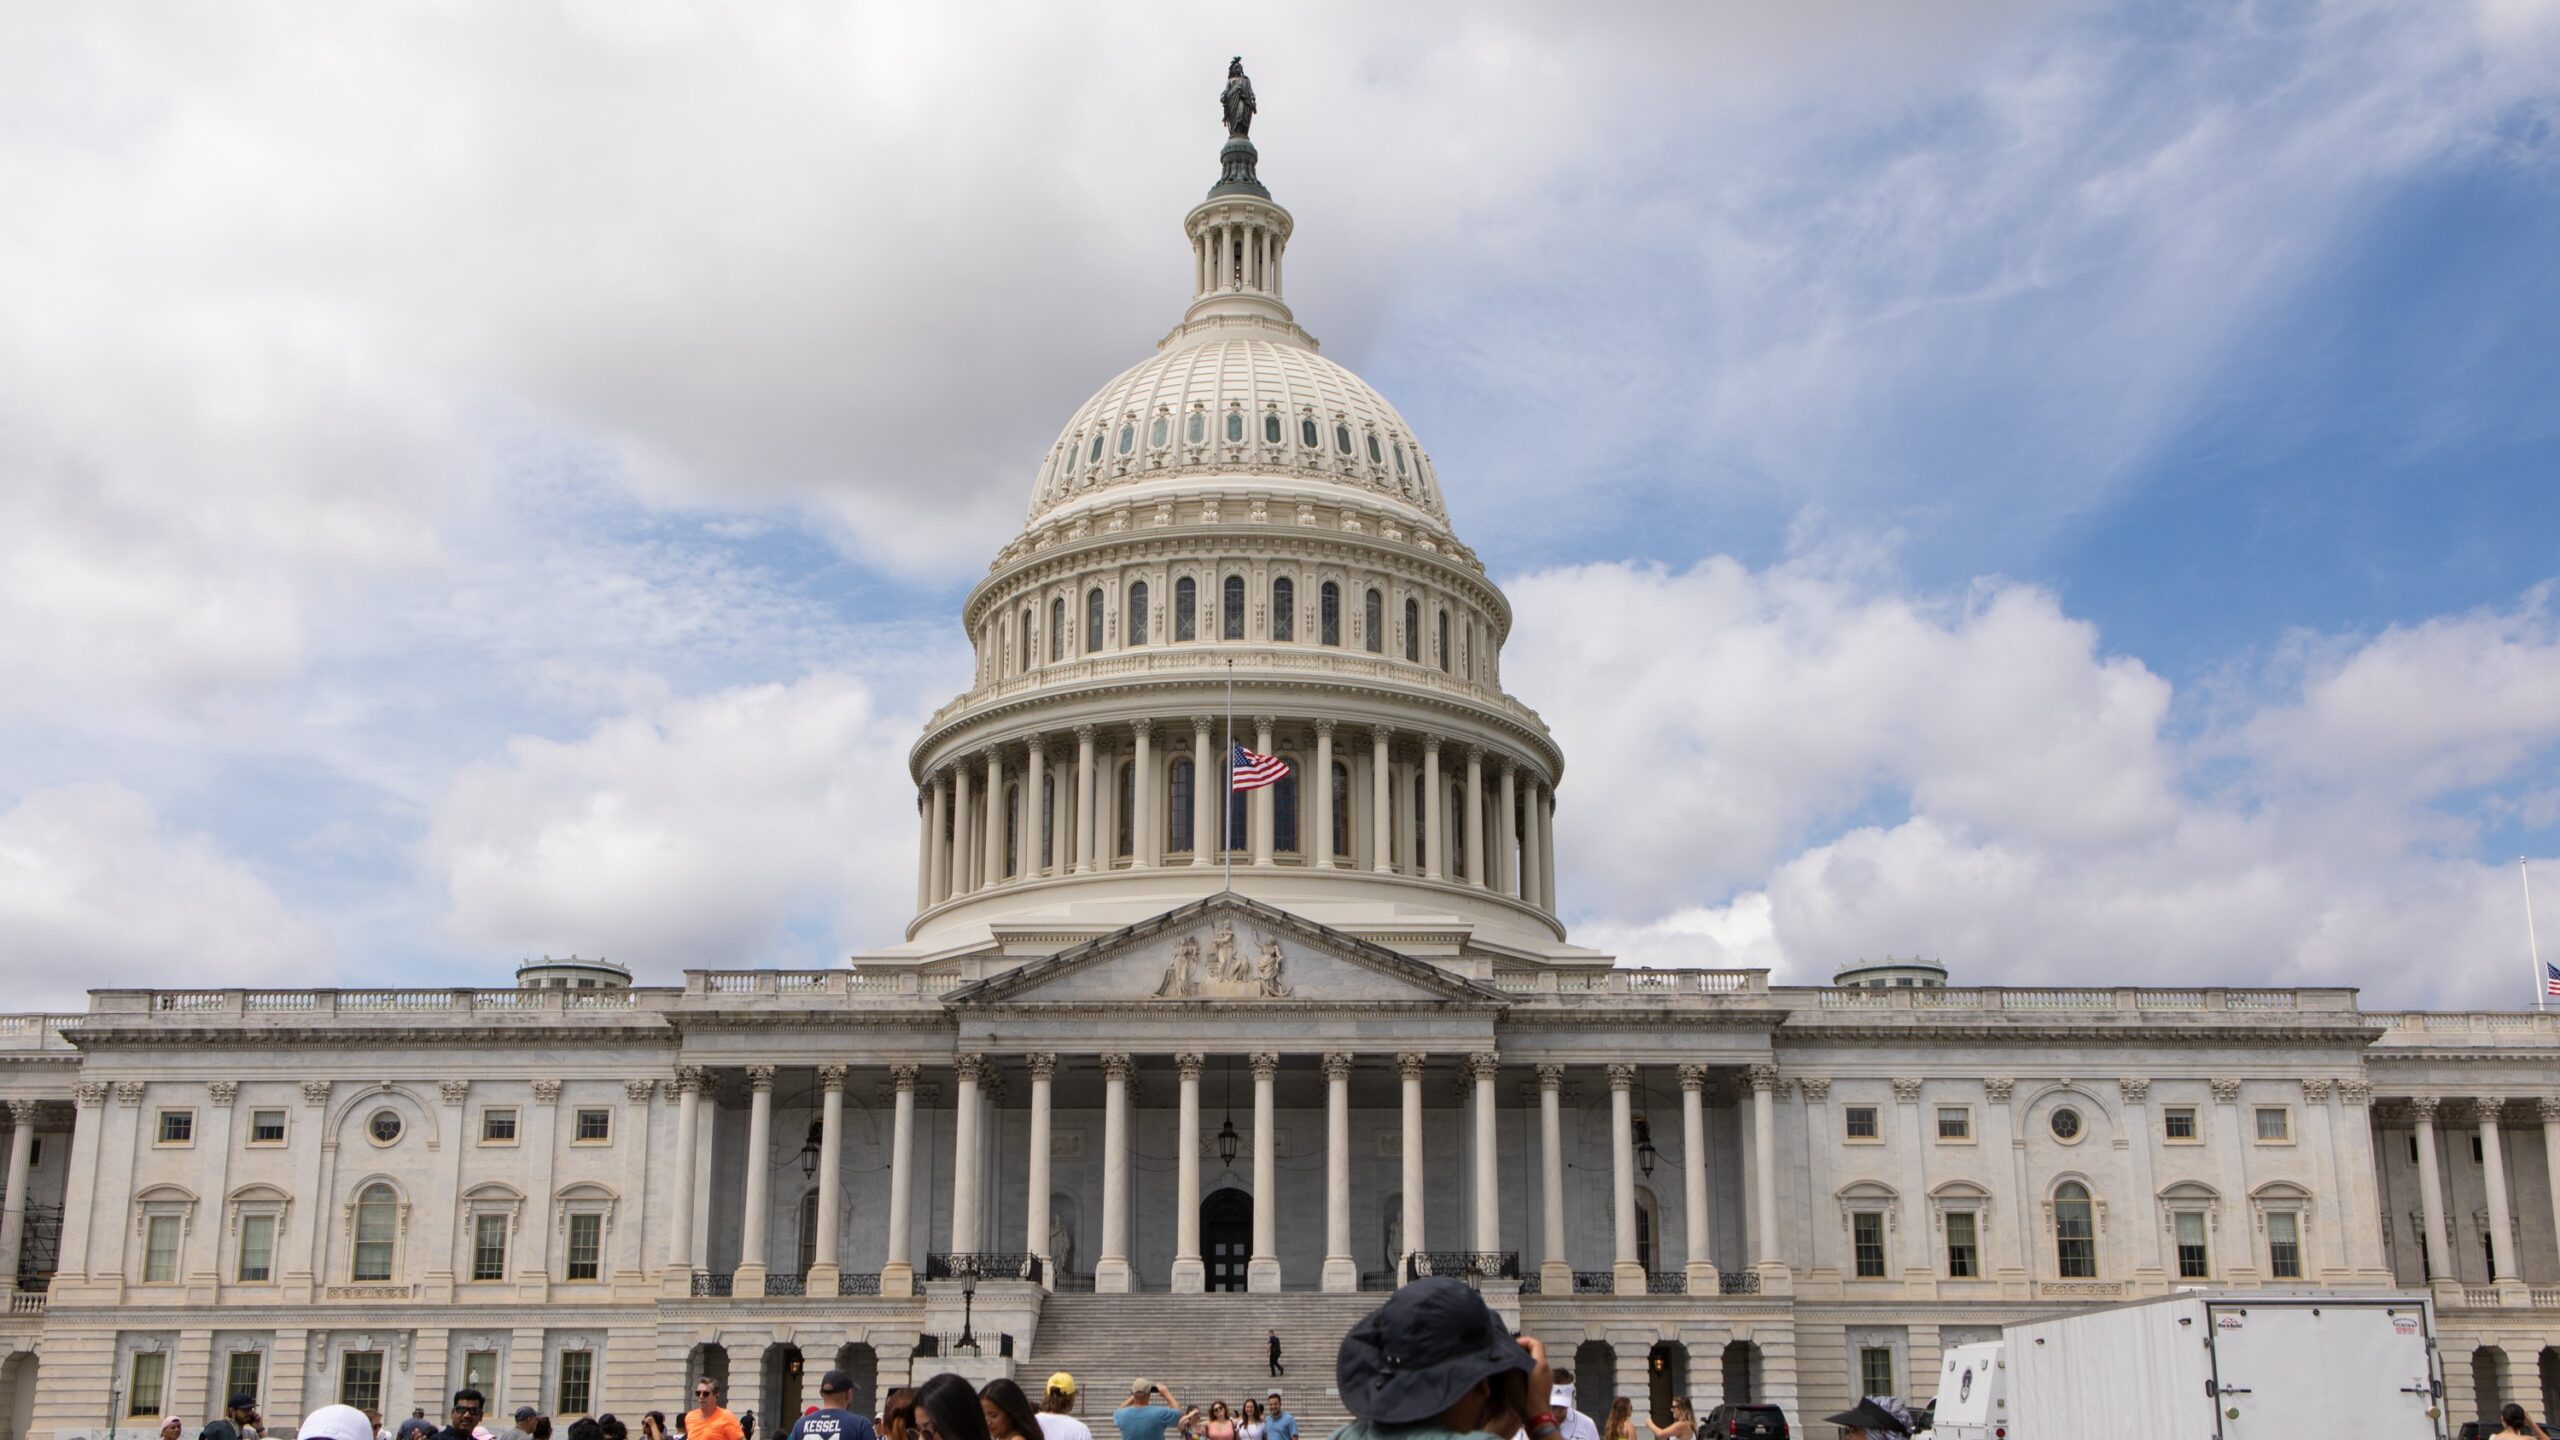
[[1093, 1091]]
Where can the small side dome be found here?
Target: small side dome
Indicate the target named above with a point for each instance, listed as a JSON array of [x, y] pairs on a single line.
[[572, 974], [1891, 974]]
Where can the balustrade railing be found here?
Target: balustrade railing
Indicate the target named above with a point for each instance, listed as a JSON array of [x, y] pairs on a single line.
[[784, 1286], [1666, 1282], [1595, 1282], [714, 1284], [983, 1265], [1737, 1282], [1463, 1264], [865, 1283]]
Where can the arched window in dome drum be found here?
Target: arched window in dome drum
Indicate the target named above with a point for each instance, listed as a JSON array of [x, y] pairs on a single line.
[[1048, 817], [1329, 614], [1128, 437], [1284, 810], [1271, 427], [1025, 638], [1095, 453], [1012, 829], [1453, 807], [1057, 631], [1373, 622], [1413, 631], [1284, 609], [1341, 437], [1399, 457], [1419, 818], [1138, 613], [1186, 606], [1235, 427], [1341, 809], [1158, 433], [1444, 642], [1123, 811], [1375, 458], [1307, 433], [1231, 622], [1196, 429], [1093, 622], [1177, 808]]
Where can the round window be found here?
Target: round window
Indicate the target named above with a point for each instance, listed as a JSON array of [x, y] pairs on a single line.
[[384, 1127], [2066, 1124]]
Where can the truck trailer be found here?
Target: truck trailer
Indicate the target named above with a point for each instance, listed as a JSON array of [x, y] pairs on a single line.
[[2193, 1366]]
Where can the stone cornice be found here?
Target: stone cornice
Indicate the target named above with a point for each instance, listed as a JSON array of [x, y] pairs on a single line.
[[2084, 1032], [654, 1029]]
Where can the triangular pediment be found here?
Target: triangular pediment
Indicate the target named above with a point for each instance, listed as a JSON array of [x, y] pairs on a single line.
[[1227, 950]]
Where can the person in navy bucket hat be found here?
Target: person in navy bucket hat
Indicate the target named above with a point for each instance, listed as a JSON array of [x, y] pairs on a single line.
[[1436, 1361]]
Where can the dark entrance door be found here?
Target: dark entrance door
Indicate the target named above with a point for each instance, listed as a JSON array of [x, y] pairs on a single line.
[[1226, 1237]]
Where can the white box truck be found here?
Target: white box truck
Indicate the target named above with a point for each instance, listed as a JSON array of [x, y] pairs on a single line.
[[2193, 1366]]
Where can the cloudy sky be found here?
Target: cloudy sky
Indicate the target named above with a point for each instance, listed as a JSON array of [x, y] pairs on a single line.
[[2076, 490]]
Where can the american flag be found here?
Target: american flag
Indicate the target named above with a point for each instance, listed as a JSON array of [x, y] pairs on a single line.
[[1248, 771], [2550, 978]]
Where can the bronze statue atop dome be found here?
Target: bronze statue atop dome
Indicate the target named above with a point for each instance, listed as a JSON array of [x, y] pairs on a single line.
[[1236, 101]]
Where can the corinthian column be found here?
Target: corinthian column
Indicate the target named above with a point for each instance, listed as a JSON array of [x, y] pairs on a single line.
[[924, 849], [1547, 847], [1382, 838], [1142, 795], [1262, 1268], [1475, 815], [751, 1244], [1204, 831], [963, 864], [823, 1269], [1409, 1065], [688, 1121], [1322, 848], [1033, 859], [1188, 1274], [937, 854], [1764, 1170], [1263, 801], [1555, 1271], [1627, 1269], [992, 843], [2440, 1258], [13, 1210], [1341, 1272], [1506, 840], [2493, 1169], [1085, 832], [1693, 1175], [1036, 1203], [965, 1234], [1533, 861], [897, 1270], [1111, 1269], [1483, 1068]]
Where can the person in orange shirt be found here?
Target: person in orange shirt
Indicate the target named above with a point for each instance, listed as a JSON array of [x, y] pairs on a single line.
[[706, 1420]]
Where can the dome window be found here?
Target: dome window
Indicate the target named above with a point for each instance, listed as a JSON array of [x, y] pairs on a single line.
[[1373, 622], [1375, 456], [1329, 614], [1413, 631], [1159, 433], [1138, 613], [1095, 454], [1093, 622], [1235, 427], [1342, 437], [1271, 427], [1284, 609], [1307, 433], [1231, 624], [1186, 600], [1196, 429], [1128, 437], [1399, 458]]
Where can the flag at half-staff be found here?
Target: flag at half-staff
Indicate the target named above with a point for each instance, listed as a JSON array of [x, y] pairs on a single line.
[[1248, 771]]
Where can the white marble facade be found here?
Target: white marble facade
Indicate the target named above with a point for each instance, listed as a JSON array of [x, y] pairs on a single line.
[[571, 1196]]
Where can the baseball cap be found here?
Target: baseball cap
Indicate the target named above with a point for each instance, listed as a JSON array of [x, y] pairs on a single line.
[[1063, 1383], [835, 1382], [526, 1412], [243, 1401]]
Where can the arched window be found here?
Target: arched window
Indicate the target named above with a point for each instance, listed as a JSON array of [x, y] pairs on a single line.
[[1231, 623], [1444, 640], [1413, 631], [1012, 829], [1125, 811], [1373, 622], [1341, 809], [2075, 1232], [1329, 614], [1284, 609], [1284, 810], [377, 1229], [1177, 814], [1138, 613], [1048, 817], [1093, 623], [1025, 637], [1186, 605], [1057, 631]]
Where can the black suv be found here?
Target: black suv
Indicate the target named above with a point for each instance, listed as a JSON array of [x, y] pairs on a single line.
[[1749, 1422]]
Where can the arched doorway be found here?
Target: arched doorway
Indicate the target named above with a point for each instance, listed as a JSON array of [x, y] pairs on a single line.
[[709, 1359], [1595, 1378], [1667, 1374], [2488, 1381], [1226, 1237], [779, 1394], [862, 1364], [1741, 1373], [17, 1394]]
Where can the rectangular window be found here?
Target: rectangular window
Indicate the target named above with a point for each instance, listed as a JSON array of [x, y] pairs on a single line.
[[177, 1127], [480, 1371], [160, 1250], [2275, 1124], [2178, 1122], [266, 1127], [1875, 1370], [360, 1379], [150, 1373], [488, 1247], [595, 1125], [1955, 1122], [2284, 1245], [1866, 1237], [497, 1127], [577, 1382], [257, 1249], [240, 1373], [586, 1247], [2194, 1263], [1861, 1120], [2477, 1157], [1964, 1246]]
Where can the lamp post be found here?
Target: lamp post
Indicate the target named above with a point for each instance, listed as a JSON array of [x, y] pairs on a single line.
[[968, 1309]]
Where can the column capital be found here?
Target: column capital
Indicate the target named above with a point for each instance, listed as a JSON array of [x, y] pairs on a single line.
[[1998, 1088], [2488, 1110], [1188, 1064], [1763, 1078], [992, 754], [2548, 1106], [547, 1092], [831, 1077], [689, 1080], [1337, 1066], [222, 1092], [1623, 1077], [1551, 1077], [1409, 1064], [1484, 1065], [970, 1067], [90, 1094], [2423, 1108], [1142, 726], [942, 779], [903, 1077], [453, 1092], [1325, 724], [1202, 724], [1510, 767], [2358, 1091], [1265, 1064], [1475, 754], [1117, 1066], [1044, 1065], [2134, 1088], [1431, 744], [314, 1092], [640, 1092], [22, 1113], [760, 1079], [1085, 733], [1817, 1088], [129, 1092], [2317, 1090], [1693, 1078], [1382, 735], [2225, 1091], [1905, 1091]]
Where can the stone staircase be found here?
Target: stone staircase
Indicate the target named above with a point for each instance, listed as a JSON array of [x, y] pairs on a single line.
[[1202, 1347]]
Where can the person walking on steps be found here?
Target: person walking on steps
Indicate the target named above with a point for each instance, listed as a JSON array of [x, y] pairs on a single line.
[[1276, 1371]]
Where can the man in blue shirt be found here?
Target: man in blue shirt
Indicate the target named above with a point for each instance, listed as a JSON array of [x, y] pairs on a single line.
[[1277, 1424], [1151, 1411], [834, 1418]]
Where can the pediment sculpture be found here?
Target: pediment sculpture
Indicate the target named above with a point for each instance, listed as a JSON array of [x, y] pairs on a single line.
[[1221, 970]]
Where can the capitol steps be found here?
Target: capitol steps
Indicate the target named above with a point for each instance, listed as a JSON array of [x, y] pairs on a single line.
[[1203, 1347]]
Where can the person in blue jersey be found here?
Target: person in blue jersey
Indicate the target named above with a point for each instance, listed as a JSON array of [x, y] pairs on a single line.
[[834, 1418]]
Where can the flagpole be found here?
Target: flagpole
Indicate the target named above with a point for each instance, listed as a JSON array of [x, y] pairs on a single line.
[[2541, 982], [1227, 802]]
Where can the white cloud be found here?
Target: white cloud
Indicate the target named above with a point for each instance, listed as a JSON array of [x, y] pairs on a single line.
[[95, 887], [1797, 768], [756, 825]]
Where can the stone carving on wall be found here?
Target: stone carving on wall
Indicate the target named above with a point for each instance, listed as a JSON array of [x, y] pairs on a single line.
[[1222, 969]]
